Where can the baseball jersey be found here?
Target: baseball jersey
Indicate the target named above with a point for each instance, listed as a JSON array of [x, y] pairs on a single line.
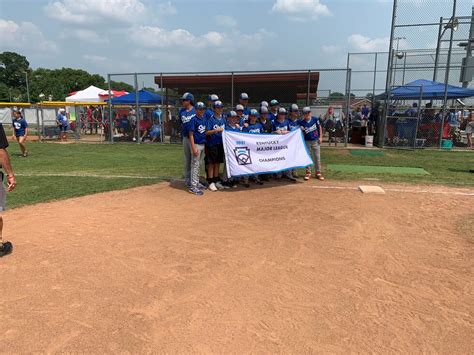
[[212, 124], [246, 113], [186, 118], [282, 126], [208, 113], [256, 128], [272, 116], [198, 127], [232, 129], [310, 129], [20, 126], [294, 125]]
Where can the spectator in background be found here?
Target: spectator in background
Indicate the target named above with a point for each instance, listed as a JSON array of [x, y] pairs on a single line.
[[470, 129], [157, 119], [96, 118], [365, 111], [413, 111], [144, 126], [155, 132], [63, 123], [124, 127], [20, 131], [132, 118]]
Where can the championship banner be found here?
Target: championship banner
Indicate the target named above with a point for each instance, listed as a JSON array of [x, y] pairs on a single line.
[[248, 154]]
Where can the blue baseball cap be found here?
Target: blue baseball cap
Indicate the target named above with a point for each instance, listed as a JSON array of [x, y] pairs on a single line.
[[274, 102], [264, 109], [232, 114], [282, 111], [217, 104], [294, 108], [253, 112], [306, 109], [213, 97], [239, 108], [187, 96], [244, 96], [200, 105]]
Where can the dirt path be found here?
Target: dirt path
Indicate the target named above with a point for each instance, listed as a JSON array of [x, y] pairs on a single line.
[[289, 269]]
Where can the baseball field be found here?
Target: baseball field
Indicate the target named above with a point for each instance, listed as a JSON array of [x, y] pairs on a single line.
[[112, 255]]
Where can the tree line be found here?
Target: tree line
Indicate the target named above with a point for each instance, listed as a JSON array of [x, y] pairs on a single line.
[[57, 83]]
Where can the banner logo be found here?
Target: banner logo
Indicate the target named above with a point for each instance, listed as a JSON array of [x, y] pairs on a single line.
[[242, 154]]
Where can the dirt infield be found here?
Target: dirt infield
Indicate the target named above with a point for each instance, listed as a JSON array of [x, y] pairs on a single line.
[[290, 269]]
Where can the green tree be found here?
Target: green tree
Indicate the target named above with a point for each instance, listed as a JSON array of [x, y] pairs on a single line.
[[336, 95], [120, 86]]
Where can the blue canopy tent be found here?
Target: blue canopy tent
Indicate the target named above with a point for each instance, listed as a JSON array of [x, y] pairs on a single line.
[[427, 90], [144, 97]]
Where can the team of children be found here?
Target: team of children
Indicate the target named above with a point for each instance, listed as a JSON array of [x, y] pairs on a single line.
[[202, 129]]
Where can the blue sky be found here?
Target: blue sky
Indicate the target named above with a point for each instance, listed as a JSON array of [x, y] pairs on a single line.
[[174, 35], [110, 36]]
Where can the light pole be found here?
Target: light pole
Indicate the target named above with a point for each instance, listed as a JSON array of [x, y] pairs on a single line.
[[27, 86]]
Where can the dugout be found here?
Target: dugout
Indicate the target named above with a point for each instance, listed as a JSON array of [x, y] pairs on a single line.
[[285, 86]]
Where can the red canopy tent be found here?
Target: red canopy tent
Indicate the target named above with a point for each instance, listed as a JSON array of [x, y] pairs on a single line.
[[104, 95]]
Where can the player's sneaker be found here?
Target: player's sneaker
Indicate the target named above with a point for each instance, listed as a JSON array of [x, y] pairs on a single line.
[[213, 187], [319, 176], [219, 185], [307, 176], [195, 191]]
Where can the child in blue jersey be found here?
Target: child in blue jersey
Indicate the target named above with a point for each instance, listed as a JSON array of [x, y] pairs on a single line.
[[197, 139], [282, 126], [209, 111], [244, 101], [239, 109], [186, 115], [274, 107], [294, 123], [294, 120], [253, 127], [20, 131], [232, 124], [215, 147], [312, 131]]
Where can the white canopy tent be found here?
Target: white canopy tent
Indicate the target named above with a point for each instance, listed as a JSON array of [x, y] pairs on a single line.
[[91, 94]]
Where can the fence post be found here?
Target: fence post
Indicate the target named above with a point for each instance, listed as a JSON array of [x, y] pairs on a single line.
[[111, 121], [348, 100], [309, 88], [375, 78], [163, 114], [38, 133], [446, 78], [137, 109], [438, 45]]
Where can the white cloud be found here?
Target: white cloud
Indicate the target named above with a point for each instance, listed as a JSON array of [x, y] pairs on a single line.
[[224, 20], [367, 44], [157, 37], [23, 36], [94, 58], [301, 10], [94, 11], [330, 49], [166, 8]]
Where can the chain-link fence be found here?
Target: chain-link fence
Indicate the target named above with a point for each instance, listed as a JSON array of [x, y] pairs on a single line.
[[430, 41], [150, 114]]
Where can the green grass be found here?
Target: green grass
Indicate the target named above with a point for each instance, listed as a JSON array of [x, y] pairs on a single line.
[[370, 169], [162, 162]]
